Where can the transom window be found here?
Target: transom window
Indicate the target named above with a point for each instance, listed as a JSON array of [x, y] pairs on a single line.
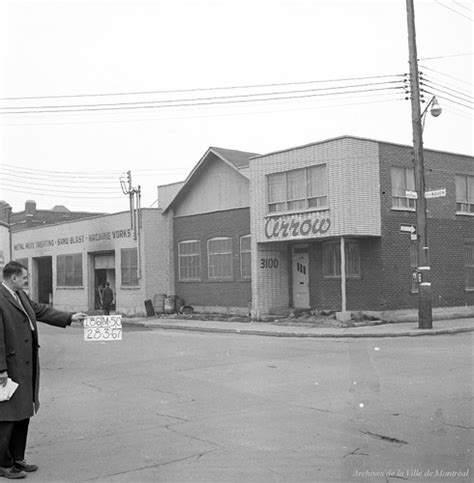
[[69, 270], [464, 193], [298, 189], [403, 180], [332, 259], [129, 265], [189, 260], [219, 258], [245, 257], [469, 266]]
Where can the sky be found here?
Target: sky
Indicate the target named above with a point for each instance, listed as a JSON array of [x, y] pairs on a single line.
[[83, 50]]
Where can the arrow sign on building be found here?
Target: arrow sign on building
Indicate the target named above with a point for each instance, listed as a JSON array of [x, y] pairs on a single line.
[[404, 228]]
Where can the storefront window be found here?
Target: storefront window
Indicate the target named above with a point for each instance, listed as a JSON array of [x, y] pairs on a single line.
[[245, 257], [464, 194], [219, 255], [189, 260], [129, 265], [69, 270], [298, 189], [403, 180], [332, 259]]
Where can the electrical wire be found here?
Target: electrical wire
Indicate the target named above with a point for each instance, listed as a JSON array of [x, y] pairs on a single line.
[[201, 89], [446, 85], [194, 99], [234, 101], [446, 56], [453, 10], [432, 86], [84, 174], [34, 182], [59, 195], [448, 99], [447, 75]]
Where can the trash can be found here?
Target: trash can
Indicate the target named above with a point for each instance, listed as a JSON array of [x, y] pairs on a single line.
[[159, 303], [150, 312], [170, 304]]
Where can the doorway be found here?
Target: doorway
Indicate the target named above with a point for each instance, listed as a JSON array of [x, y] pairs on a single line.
[[104, 271], [44, 280], [300, 273]]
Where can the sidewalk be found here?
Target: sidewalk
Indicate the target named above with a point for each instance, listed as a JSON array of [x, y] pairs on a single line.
[[273, 329]]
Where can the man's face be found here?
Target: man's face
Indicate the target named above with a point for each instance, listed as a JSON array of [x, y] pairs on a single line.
[[19, 281]]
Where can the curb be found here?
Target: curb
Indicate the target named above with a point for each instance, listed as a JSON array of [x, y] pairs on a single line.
[[265, 333]]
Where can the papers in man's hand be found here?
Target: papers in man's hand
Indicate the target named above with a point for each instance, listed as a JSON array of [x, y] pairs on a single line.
[[6, 392]]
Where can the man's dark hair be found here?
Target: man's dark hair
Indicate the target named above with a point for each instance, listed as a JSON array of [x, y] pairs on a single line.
[[13, 268]]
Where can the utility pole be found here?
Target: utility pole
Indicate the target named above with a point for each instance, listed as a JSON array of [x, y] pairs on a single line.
[[425, 316]]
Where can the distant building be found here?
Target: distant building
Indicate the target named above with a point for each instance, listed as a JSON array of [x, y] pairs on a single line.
[[32, 216]]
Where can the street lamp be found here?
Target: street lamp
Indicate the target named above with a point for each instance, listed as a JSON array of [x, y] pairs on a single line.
[[435, 111]]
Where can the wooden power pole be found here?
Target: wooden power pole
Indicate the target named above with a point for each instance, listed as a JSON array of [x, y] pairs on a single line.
[[425, 316]]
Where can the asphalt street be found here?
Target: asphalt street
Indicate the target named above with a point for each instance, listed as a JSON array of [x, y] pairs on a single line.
[[174, 406]]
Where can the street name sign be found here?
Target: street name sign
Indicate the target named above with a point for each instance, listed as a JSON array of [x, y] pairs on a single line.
[[413, 195], [100, 328], [404, 228], [435, 193]]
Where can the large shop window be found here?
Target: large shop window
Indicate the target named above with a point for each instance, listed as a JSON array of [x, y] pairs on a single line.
[[219, 258], [69, 270], [469, 266], [464, 194], [189, 260], [403, 180], [245, 258], [129, 266], [332, 259], [298, 189]]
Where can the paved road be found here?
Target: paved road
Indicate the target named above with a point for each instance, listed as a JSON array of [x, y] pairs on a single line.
[[169, 406]]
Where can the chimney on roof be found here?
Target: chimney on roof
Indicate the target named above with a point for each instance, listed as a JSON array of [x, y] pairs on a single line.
[[5, 211], [30, 208]]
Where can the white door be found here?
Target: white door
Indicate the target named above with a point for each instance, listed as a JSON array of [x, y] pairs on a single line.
[[300, 280]]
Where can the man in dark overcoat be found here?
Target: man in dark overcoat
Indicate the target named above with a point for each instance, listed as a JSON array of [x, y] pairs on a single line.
[[107, 298], [19, 362]]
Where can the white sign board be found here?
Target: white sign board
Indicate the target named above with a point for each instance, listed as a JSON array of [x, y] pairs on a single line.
[[103, 328], [435, 193], [413, 195], [408, 229]]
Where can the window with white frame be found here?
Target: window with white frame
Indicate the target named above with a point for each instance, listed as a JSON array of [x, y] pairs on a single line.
[[464, 193], [469, 266], [332, 259], [69, 270], [129, 266], [189, 260], [245, 258], [298, 189], [219, 258], [403, 180]]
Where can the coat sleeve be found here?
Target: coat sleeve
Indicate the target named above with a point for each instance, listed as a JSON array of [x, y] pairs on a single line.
[[3, 351], [44, 313]]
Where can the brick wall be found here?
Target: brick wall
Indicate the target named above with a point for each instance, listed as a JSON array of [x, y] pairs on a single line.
[[230, 223], [447, 232]]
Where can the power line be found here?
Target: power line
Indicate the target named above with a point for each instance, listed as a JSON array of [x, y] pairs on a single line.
[[85, 174], [441, 96], [453, 10], [172, 91], [446, 56], [447, 84], [59, 195], [44, 183], [447, 75], [433, 84], [213, 103], [195, 99]]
